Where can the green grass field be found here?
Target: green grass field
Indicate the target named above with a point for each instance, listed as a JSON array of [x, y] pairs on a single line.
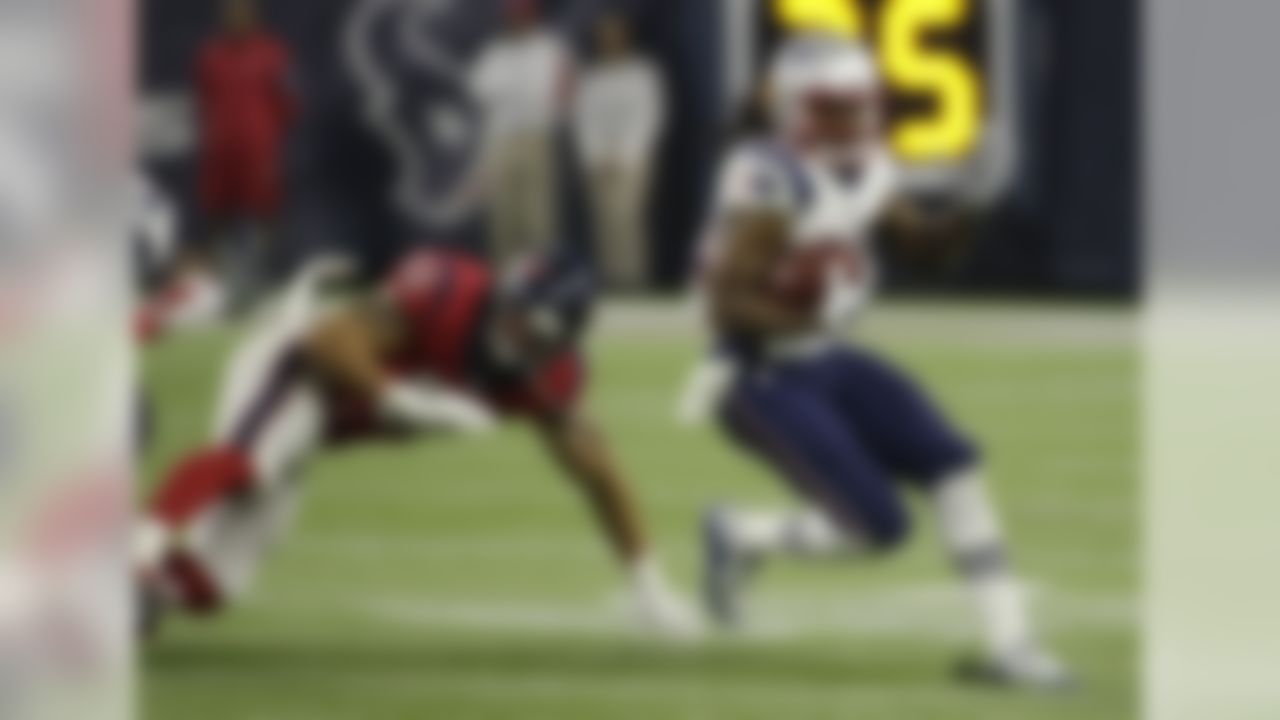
[[463, 580]]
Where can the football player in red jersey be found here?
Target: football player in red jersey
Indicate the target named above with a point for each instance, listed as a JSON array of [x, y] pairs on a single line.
[[443, 345]]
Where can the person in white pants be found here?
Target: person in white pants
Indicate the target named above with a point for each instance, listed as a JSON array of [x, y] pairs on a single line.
[[619, 115], [522, 81]]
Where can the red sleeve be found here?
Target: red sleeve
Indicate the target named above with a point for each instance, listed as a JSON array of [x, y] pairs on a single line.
[[439, 295], [413, 284], [556, 388]]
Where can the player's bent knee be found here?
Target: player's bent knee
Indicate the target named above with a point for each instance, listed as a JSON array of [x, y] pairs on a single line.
[[894, 534], [887, 530]]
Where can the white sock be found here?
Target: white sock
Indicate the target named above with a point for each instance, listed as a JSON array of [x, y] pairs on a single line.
[[971, 532], [805, 532], [151, 541]]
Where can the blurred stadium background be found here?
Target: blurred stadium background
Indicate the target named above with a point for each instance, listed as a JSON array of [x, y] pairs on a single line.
[[1028, 168], [461, 582]]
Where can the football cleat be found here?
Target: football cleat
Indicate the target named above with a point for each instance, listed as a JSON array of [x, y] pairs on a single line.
[[726, 568], [667, 616], [1029, 668]]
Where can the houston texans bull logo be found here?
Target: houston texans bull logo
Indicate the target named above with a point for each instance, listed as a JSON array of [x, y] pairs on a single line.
[[410, 61]]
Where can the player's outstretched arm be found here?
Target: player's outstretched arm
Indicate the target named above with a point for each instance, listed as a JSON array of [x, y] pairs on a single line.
[[742, 280], [347, 348]]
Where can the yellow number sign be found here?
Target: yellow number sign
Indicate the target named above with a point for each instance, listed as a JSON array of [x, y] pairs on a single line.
[[840, 17], [951, 131]]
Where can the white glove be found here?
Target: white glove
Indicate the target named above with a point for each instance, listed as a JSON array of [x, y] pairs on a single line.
[[707, 384], [432, 406], [302, 300], [843, 298]]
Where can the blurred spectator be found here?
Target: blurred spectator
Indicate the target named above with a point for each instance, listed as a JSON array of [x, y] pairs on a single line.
[[522, 82], [246, 106], [618, 118]]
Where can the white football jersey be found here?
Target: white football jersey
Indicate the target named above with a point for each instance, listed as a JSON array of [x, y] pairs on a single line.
[[825, 205]]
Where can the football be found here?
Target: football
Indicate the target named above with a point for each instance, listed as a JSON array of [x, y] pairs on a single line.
[[801, 280]]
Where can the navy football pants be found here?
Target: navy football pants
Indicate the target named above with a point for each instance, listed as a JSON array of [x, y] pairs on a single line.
[[840, 428]]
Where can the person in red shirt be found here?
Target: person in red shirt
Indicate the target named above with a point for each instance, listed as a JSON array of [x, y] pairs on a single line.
[[446, 344], [245, 107]]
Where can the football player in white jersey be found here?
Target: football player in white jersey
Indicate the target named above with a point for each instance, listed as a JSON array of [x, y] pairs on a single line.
[[785, 268]]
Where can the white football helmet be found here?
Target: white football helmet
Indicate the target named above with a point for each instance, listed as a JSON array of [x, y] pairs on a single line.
[[825, 93]]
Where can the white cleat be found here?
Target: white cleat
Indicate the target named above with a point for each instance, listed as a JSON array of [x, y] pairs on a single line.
[[668, 616], [1030, 668], [726, 568]]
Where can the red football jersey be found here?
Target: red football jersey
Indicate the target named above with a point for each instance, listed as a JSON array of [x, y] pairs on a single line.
[[443, 298]]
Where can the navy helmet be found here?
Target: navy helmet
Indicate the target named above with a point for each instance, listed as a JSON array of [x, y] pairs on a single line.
[[554, 291]]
